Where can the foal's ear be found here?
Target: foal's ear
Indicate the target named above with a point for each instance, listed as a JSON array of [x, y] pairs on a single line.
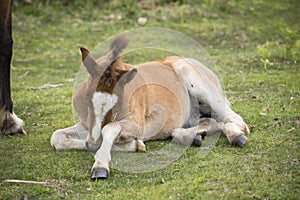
[[127, 77], [89, 62], [117, 46]]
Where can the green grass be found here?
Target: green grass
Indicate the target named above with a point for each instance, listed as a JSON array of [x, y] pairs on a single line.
[[239, 35]]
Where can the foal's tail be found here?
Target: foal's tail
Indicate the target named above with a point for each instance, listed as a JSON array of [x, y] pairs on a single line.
[[117, 46]]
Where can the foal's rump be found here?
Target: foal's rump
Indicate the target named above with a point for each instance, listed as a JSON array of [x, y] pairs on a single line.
[[203, 85], [156, 102]]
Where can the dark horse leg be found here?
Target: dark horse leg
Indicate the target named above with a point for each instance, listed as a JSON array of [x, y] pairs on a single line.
[[9, 122]]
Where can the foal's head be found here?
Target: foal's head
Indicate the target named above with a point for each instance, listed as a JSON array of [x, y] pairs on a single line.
[[104, 77]]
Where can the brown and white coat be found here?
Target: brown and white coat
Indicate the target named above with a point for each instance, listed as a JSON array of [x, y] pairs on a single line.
[[121, 106]]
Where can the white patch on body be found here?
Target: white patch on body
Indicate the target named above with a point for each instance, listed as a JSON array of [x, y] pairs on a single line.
[[103, 103]]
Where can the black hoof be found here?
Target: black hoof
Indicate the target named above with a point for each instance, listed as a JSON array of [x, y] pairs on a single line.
[[197, 141], [240, 141], [99, 174]]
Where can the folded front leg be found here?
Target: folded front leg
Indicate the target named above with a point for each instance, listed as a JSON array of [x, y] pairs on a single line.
[[70, 138]]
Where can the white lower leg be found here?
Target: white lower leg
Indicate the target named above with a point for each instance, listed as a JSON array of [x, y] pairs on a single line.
[[234, 125], [10, 123], [102, 156]]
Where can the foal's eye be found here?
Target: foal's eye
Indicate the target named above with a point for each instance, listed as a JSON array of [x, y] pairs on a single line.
[[110, 81]]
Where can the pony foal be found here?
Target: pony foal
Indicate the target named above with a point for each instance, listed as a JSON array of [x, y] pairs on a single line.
[[121, 106]]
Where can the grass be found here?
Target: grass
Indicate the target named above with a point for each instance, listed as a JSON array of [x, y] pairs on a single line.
[[240, 36]]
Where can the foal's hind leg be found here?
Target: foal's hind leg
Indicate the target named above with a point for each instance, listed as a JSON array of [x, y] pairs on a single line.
[[204, 85], [235, 128], [188, 136], [70, 138]]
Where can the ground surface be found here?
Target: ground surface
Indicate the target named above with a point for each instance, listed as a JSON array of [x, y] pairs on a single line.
[[255, 45]]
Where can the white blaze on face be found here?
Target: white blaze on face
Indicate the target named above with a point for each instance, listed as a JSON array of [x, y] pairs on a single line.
[[103, 103]]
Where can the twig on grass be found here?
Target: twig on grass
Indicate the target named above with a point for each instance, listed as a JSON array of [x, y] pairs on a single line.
[[41, 183], [279, 123], [46, 86], [290, 130], [57, 185], [27, 182]]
